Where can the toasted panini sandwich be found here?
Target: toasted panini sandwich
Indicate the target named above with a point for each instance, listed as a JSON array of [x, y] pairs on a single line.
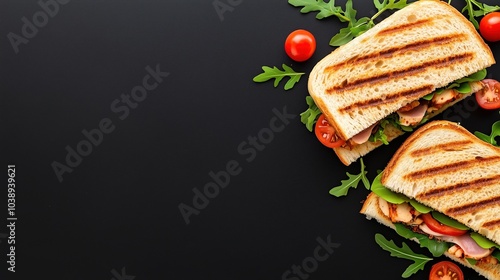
[[443, 185], [406, 69]]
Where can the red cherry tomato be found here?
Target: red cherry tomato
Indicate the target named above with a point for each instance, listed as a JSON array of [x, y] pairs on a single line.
[[436, 226], [489, 97], [326, 134], [489, 27], [446, 270], [300, 45]]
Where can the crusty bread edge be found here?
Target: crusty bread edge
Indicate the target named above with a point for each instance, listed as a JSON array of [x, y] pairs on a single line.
[[415, 136], [347, 156], [371, 210], [319, 66]]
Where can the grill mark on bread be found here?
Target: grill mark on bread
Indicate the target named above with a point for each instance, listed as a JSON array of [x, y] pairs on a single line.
[[448, 146], [452, 189], [492, 224], [390, 52], [399, 28], [411, 93], [474, 206], [451, 167], [408, 71]]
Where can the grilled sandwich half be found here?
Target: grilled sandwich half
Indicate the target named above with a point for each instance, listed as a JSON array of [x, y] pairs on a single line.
[[449, 170], [423, 47]]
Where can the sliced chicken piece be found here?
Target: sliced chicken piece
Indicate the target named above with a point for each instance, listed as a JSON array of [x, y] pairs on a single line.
[[444, 97], [401, 213]]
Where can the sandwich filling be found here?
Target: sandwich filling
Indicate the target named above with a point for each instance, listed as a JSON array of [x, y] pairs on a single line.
[[408, 117], [413, 114], [416, 221]]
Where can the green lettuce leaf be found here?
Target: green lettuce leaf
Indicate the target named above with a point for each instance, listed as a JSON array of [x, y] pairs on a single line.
[[436, 248], [442, 218], [385, 193]]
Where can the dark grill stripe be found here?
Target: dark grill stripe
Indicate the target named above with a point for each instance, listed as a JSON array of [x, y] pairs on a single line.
[[390, 98], [412, 70], [399, 28], [449, 146], [448, 168], [475, 206], [475, 184], [390, 52], [492, 224]]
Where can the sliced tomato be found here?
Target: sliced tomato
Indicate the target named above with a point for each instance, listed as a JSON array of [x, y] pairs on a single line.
[[438, 227], [446, 270], [326, 133], [489, 97]]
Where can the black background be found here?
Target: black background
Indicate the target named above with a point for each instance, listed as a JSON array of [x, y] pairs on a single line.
[[117, 212]]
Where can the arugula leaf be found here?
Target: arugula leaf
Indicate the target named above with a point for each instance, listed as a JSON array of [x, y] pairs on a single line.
[[324, 9], [476, 9], [436, 248], [496, 254], [379, 134], [478, 76], [491, 139], [309, 116], [351, 182], [404, 252], [343, 37], [277, 74], [358, 27], [354, 28], [387, 5]]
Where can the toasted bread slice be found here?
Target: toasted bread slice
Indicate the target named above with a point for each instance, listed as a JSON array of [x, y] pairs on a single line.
[[449, 169], [371, 208], [422, 47], [350, 155]]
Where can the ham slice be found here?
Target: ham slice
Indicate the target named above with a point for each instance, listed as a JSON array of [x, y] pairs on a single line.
[[363, 136], [413, 116], [465, 242], [468, 245]]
